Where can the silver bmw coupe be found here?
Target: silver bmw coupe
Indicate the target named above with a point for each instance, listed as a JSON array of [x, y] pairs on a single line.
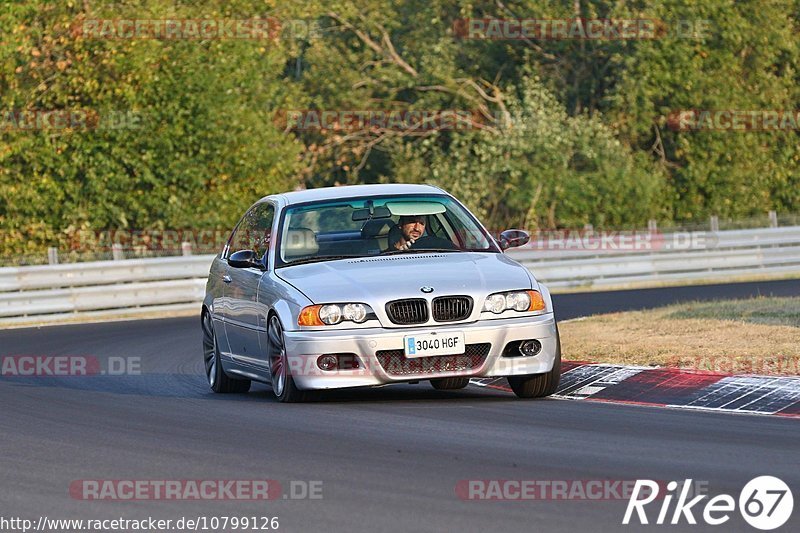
[[371, 285]]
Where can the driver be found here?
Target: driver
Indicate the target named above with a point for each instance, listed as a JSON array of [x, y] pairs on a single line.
[[411, 230]]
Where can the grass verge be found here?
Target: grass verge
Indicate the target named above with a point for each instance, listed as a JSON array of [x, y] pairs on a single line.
[[753, 336]]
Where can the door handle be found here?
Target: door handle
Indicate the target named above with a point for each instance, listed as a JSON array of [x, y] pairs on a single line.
[[226, 278]]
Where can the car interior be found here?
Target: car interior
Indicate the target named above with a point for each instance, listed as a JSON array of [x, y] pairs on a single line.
[[374, 237]]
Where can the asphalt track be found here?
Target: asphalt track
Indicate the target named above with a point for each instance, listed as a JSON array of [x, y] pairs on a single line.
[[389, 459]]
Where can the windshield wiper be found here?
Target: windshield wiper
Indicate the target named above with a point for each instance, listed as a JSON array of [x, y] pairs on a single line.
[[420, 251], [318, 259]]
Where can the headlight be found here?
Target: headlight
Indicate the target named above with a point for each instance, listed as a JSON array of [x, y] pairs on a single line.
[[355, 312], [496, 303], [331, 314], [518, 301]]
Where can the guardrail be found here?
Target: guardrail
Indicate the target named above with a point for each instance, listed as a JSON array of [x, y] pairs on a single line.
[[668, 258], [53, 292], [130, 286]]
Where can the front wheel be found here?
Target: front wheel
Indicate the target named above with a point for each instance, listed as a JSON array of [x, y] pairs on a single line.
[[279, 372], [218, 380], [539, 385]]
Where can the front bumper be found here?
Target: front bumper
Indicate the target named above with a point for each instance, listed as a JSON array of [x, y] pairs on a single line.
[[304, 347]]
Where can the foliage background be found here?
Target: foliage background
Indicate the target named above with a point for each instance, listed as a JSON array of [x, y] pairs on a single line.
[[575, 131]]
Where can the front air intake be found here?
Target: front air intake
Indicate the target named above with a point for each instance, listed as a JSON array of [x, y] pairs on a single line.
[[451, 308], [405, 312]]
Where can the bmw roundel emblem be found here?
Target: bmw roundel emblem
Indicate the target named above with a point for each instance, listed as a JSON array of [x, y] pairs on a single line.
[[426, 289]]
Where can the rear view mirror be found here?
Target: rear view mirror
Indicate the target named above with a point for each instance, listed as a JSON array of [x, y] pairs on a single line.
[[511, 238], [377, 212]]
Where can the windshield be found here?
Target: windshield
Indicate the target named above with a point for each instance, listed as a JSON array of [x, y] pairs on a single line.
[[362, 227]]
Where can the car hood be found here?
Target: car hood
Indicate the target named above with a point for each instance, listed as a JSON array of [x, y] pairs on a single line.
[[384, 278]]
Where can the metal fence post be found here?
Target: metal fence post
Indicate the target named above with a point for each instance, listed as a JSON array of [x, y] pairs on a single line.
[[773, 219], [652, 225], [116, 252], [714, 223], [186, 248], [52, 255]]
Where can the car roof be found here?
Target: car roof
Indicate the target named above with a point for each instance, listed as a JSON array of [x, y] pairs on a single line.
[[350, 191]]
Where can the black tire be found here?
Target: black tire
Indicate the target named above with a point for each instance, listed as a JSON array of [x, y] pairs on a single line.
[[539, 385], [218, 380], [449, 383], [280, 374]]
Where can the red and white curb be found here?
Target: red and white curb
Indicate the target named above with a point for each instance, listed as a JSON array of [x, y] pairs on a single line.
[[672, 387]]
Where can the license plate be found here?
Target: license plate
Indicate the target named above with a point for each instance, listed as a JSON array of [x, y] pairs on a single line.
[[429, 344]]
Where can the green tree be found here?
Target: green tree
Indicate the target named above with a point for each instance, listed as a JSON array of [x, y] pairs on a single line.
[[747, 59], [199, 147]]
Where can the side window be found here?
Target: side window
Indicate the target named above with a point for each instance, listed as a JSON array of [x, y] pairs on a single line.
[[253, 232], [435, 227]]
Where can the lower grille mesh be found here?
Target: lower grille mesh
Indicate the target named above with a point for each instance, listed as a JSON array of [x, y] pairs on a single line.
[[395, 363]]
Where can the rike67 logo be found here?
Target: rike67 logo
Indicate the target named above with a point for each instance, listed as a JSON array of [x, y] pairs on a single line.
[[765, 503]]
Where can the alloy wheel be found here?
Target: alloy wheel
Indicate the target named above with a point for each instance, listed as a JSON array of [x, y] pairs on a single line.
[[277, 356], [209, 350]]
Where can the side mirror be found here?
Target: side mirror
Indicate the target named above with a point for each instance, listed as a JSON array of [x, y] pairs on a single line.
[[245, 259], [511, 238]]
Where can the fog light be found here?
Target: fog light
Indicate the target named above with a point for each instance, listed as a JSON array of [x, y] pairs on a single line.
[[327, 362], [530, 348]]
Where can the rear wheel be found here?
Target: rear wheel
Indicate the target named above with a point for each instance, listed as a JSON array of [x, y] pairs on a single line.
[[279, 372], [218, 380], [449, 383], [539, 385]]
